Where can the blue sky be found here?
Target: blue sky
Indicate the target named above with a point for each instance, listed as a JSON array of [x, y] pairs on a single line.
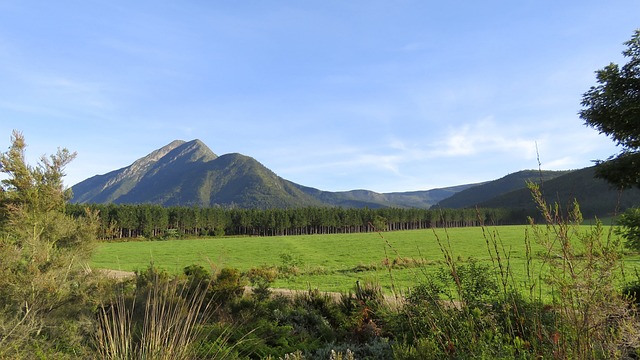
[[338, 95]]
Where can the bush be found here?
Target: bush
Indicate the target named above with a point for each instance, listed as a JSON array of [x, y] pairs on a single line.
[[632, 290], [227, 286], [594, 319], [629, 228], [261, 279], [375, 349]]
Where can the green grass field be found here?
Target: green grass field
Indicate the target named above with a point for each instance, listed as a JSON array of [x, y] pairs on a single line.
[[331, 262]]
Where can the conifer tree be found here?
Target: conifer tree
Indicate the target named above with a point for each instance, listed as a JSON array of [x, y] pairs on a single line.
[[613, 108], [42, 281]]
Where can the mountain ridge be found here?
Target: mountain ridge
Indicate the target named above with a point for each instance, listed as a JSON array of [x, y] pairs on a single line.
[[474, 196], [595, 196], [190, 174]]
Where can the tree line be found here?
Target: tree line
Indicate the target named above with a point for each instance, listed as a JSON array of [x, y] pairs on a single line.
[[120, 221]]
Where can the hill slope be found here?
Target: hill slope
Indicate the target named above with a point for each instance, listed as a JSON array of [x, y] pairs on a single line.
[[595, 196], [365, 198], [491, 189]]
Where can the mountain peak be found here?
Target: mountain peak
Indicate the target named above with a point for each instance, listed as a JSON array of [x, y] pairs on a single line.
[[189, 173], [195, 150], [139, 167], [177, 151], [154, 156]]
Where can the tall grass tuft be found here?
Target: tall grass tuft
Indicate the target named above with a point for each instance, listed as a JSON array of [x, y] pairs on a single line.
[[114, 337], [594, 318], [169, 328]]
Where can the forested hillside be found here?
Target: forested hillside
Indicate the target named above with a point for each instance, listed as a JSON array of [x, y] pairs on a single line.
[[478, 194], [595, 196], [365, 198]]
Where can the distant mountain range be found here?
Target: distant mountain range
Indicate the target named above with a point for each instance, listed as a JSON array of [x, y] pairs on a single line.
[[190, 174]]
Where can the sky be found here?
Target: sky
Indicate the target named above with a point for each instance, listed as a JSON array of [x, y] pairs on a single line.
[[388, 96]]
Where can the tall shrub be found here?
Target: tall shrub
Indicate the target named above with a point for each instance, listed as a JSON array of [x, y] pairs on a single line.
[[43, 284], [595, 320]]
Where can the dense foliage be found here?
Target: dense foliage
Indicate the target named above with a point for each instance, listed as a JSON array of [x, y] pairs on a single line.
[[613, 108], [629, 229]]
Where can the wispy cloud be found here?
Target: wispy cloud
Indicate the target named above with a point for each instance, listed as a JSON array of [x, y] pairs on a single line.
[[483, 137], [79, 92], [59, 95], [563, 163]]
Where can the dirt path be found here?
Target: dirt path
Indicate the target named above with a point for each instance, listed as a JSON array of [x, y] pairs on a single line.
[[122, 275], [117, 274]]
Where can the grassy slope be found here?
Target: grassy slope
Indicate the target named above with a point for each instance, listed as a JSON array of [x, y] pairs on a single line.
[[327, 262]]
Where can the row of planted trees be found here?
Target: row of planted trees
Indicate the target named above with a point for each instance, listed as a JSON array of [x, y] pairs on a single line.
[[118, 221]]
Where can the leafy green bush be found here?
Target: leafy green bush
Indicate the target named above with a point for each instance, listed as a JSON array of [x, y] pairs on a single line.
[[289, 266], [227, 286], [261, 279], [629, 228]]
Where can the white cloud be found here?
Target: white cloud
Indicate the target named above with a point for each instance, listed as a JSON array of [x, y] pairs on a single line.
[[483, 137], [563, 163]]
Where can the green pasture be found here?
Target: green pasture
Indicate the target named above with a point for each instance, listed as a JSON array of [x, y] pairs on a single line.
[[336, 262]]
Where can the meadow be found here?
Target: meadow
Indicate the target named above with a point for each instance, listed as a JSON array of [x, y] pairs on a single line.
[[335, 262]]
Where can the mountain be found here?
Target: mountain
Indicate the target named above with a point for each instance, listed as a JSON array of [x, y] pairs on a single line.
[[595, 196], [113, 186], [483, 192], [366, 198], [190, 174]]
